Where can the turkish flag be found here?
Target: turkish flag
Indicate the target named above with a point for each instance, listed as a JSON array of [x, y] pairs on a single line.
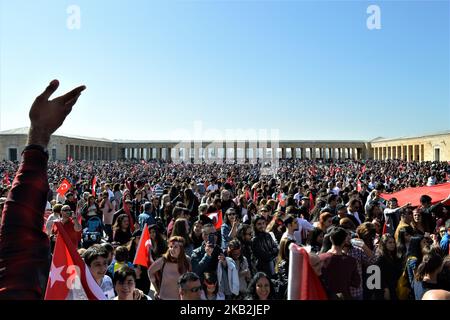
[[304, 284], [94, 183], [216, 217], [64, 187], [255, 197], [437, 193], [358, 186], [143, 256], [68, 272], [6, 179], [311, 201]]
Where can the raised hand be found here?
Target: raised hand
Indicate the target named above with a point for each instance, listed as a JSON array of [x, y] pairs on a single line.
[[47, 116]]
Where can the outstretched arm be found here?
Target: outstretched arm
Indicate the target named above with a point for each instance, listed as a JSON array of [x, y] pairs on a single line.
[[24, 247]]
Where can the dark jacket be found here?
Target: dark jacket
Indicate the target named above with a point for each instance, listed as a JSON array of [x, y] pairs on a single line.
[[202, 263], [265, 251]]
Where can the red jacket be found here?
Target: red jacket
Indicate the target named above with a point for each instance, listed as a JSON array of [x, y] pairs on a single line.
[[24, 247]]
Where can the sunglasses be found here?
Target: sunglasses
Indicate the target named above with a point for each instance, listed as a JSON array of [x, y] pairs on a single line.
[[195, 289]]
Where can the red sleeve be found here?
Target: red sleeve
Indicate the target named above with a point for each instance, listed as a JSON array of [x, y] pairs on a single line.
[[24, 247]]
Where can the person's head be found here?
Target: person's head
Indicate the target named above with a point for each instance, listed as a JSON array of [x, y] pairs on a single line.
[[341, 210], [125, 283], [138, 194], [259, 224], [405, 234], [417, 215], [447, 227], [175, 248], [425, 200], [418, 246], [210, 283], [197, 228], [332, 200], [367, 232], [407, 215], [260, 287], [96, 258], [121, 254], [347, 224], [66, 213], [69, 196], [230, 216], [338, 236], [122, 222], [57, 209], [181, 229], [203, 208], [90, 199], [325, 220], [207, 230], [234, 249], [148, 207], [387, 246], [374, 210], [291, 223], [264, 211], [436, 294], [110, 249], [431, 265], [354, 205], [189, 286], [393, 203], [315, 237], [245, 233], [105, 195], [225, 195]]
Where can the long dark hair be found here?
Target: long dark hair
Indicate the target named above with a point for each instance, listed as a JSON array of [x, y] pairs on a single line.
[[161, 245], [430, 263], [382, 248], [401, 241], [251, 289], [183, 263], [118, 225], [180, 229]]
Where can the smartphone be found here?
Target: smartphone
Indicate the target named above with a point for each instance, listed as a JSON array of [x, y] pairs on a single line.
[[212, 239]]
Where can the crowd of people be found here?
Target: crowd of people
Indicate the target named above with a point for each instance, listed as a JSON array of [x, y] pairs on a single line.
[[315, 204], [223, 231]]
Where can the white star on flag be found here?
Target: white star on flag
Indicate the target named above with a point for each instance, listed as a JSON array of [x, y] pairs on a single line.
[[55, 274]]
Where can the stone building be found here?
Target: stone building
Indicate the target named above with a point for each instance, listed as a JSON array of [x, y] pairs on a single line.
[[433, 147]]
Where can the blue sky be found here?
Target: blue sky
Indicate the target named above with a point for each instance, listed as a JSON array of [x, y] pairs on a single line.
[[311, 69]]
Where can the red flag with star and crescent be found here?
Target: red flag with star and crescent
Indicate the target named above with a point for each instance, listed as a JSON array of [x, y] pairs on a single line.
[[69, 272], [64, 187], [143, 256], [94, 184]]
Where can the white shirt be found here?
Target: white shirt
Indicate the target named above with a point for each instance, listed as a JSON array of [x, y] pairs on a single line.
[[336, 190], [302, 225], [212, 187]]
